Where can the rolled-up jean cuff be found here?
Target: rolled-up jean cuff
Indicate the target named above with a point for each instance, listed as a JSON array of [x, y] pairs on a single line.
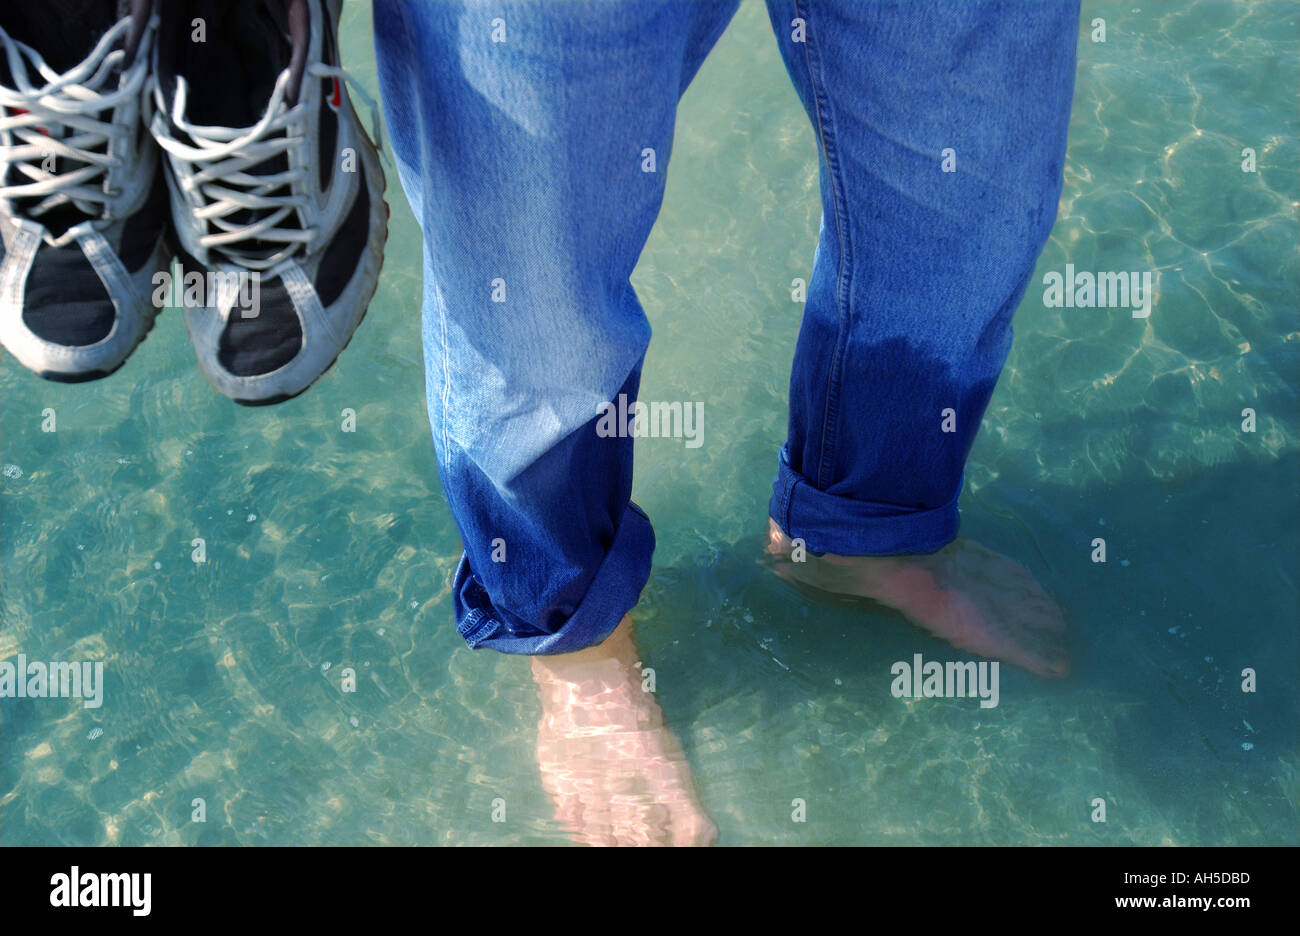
[[614, 591], [829, 523]]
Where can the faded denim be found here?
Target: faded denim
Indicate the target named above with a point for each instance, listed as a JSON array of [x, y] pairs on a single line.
[[522, 163]]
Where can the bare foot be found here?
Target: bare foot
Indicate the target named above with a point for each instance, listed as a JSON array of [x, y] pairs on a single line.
[[612, 767], [965, 594]]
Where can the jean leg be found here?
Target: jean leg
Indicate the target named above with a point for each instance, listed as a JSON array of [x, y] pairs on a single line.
[[918, 270], [521, 132]]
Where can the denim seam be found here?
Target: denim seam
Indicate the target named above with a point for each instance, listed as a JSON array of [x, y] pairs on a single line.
[[474, 623], [826, 135], [787, 497], [446, 365]]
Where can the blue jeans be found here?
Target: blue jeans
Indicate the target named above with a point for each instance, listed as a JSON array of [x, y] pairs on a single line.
[[523, 161]]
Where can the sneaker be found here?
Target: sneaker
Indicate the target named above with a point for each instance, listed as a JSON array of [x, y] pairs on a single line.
[[276, 191], [83, 207]]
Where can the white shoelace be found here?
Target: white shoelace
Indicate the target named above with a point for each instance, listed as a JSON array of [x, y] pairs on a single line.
[[61, 119], [213, 168]]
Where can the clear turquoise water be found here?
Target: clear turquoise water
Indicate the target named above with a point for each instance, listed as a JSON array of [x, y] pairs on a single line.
[[336, 548]]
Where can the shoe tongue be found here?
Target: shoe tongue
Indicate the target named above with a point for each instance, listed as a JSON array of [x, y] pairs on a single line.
[[248, 216], [232, 73], [63, 33], [231, 78]]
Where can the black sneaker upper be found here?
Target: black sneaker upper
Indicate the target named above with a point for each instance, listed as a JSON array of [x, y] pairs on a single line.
[[231, 76], [65, 302], [230, 81]]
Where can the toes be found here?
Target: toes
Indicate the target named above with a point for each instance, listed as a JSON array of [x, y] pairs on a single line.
[[692, 828], [1047, 660]]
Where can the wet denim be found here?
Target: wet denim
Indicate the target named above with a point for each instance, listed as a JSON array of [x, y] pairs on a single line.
[[519, 130]]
